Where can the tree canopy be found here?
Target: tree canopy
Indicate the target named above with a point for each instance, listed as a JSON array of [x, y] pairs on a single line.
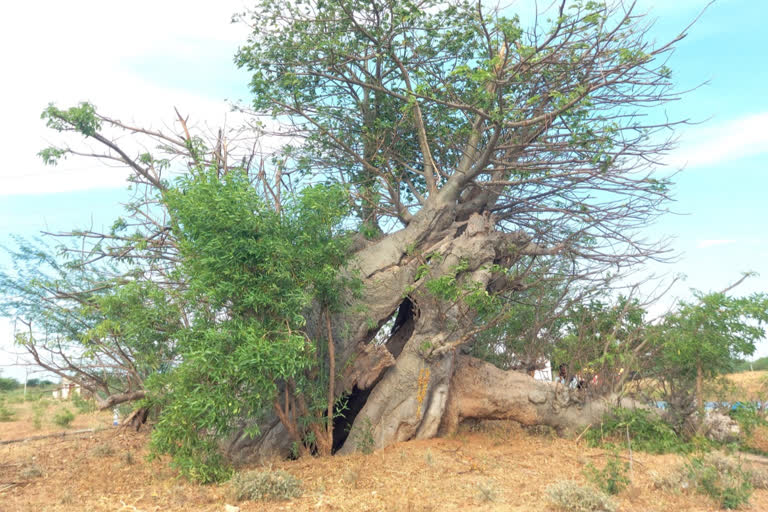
[[444, 167]]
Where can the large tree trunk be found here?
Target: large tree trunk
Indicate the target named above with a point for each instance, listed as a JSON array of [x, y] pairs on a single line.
[[416, 385]]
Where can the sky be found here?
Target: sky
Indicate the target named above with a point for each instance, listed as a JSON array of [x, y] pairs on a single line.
[[137, 61]]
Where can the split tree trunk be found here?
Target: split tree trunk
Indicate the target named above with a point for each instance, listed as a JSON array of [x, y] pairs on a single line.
[[416, 385]]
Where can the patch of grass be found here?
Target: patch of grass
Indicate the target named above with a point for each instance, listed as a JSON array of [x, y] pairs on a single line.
[[365, 442], [649, 433], [66, 498], [266, 485], [64, 418], [570, 496], [6, 413], [722, 478], [759, 479], [351, 475], [675, 481], [82, 405], [487, 492], [717, 475], [102, 450], [127, 458], [31, 471], [748, 417], [613, 478]]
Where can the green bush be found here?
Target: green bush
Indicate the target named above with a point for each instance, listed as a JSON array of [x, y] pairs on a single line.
[[748, 417], [365, 442], [64, 418], [102, 450], [648, 432], [6, 414], [8, 384], [38, 410], [572, 497], [82, 405], [722, 478], [31, 471], [266, 485], [612, 479]]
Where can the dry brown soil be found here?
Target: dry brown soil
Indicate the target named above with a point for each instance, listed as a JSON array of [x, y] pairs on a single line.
[[500, 467]]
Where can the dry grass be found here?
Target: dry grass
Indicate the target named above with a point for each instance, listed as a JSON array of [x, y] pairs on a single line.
[[495, 466], [752, 385]]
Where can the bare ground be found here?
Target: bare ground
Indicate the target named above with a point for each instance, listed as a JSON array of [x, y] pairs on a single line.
[[496, 467]]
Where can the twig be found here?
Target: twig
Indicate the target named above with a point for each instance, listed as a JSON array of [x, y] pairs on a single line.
[[582, 433]]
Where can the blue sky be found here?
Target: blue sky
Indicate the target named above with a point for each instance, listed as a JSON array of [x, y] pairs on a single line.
[[137, 62]]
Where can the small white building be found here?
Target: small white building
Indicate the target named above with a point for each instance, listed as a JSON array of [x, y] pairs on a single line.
[[66, 390]]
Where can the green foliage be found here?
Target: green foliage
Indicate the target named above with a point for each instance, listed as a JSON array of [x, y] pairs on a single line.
[[749, 417], [9, 384], [711, 333], [266, 485], [722, 478], [613, 478], [101, 311], [703, 339], [82, 405], [38, 383], [6, 414], [648, 432], [758, 365], [599, 337], [38, 410], [570, 496], [31, 471], [252, 273], [365, 442], [64, 418], [102, 450], [82, 118]]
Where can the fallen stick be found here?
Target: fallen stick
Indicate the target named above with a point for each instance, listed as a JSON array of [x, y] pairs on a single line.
[[46, 436]]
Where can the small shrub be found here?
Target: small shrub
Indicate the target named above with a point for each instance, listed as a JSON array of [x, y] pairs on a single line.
[[266, 485], [66, 498], [37, 415], [748, 416], [649, 433], [365, 442], [612, 479], [6, 413], [759, 479], [15, 398], [487, 492], [31, 471], [674, 481], [127, 458], [102, 450], [9, 384], [82, 405], [351, 475], [64, 418], [722, 478], [572, 497]]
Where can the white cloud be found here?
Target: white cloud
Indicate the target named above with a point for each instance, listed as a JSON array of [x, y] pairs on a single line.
[[718, 142], [68, 52], [703, 244]]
